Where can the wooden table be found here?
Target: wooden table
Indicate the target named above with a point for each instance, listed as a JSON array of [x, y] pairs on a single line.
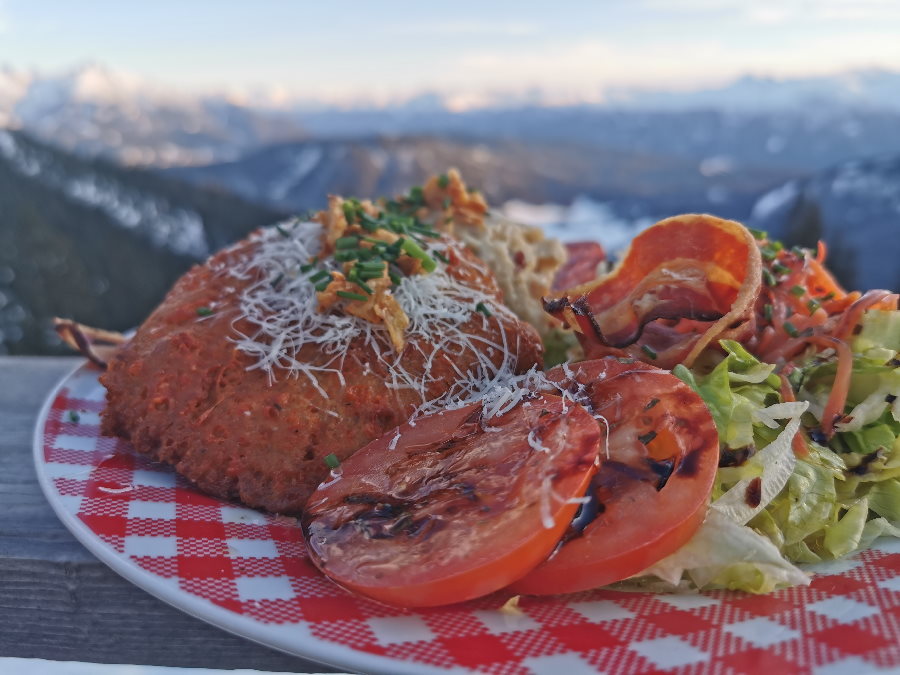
[[57, 601]]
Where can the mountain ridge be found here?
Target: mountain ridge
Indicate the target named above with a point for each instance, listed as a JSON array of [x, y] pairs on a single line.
[[298, 175], [95, 110]]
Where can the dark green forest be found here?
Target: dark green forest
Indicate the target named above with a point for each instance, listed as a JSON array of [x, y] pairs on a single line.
[[59, 257]]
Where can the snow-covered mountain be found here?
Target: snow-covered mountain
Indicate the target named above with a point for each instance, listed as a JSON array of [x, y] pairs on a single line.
[[797, 124], [298, 176], [101, 244], [97, 111], [854, 207], [872, 89]]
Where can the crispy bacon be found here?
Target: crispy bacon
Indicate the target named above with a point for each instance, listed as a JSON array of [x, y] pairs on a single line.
[[683, 283], [380, 307], [584, 257], [456, 202]]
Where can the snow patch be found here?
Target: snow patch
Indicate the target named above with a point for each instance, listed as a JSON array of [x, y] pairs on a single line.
[[165, 225], [302, 163], [583, 220], [773, 201]]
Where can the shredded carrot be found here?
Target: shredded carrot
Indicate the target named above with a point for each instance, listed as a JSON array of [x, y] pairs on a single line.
[[801, 299], [801, 304], [840, 389], [853, 315], [798, 442]]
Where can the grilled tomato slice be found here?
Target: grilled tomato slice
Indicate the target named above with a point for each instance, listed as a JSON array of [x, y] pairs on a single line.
[[456, 506], [656, 473]]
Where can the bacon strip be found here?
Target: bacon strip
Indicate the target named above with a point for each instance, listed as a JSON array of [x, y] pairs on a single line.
[[581, 264], [683, 283]]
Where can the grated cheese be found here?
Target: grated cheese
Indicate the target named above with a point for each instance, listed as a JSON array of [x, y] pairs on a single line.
[[281, 307]]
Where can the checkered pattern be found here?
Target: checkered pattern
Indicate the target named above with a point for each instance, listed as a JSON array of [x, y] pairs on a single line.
[[846, 622]]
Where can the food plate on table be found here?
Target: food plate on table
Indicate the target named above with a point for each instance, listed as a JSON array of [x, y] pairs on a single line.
[[721, 412], [248, 573]]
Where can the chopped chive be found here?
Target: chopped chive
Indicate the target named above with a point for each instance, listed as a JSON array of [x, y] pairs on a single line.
[[282, 231], [350, 211], [323, 285], [307, 268], [74, 417], [480, 307], [363, 285], [768, 253], [412, 249], [447, 203], [649, 351], [829, 297], [332, 461], [318, 276], [427, 231], [443, 181], [440, 256], [403, 224], [352, 296], [798, 291], [777, 245], [374, 265], [769, 278], [791, 329], [346, 242], [369, 224], [778, 268], [204, 311], [653, 402], [416, 195], [368, 275], [768, 311], [277, 280], [758, 234], [813, 305], [346, 256], [395, 278], [646, 438], [797, 251]]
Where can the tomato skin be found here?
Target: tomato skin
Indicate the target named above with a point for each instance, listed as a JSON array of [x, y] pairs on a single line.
[[458, 508], [638, 523]]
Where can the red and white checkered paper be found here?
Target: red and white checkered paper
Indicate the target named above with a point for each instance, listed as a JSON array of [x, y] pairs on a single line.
[[255, 567]]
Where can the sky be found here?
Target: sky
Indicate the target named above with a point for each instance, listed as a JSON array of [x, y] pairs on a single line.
[[338, 49]]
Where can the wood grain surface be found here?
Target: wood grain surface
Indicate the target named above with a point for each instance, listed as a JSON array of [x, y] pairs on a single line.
[[57, 601]]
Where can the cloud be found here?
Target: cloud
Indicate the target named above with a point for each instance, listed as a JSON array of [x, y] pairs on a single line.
[[590, 67]]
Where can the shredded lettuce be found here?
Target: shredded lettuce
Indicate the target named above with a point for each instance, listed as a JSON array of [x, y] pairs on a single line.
[[725, 554], [835, 500]]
